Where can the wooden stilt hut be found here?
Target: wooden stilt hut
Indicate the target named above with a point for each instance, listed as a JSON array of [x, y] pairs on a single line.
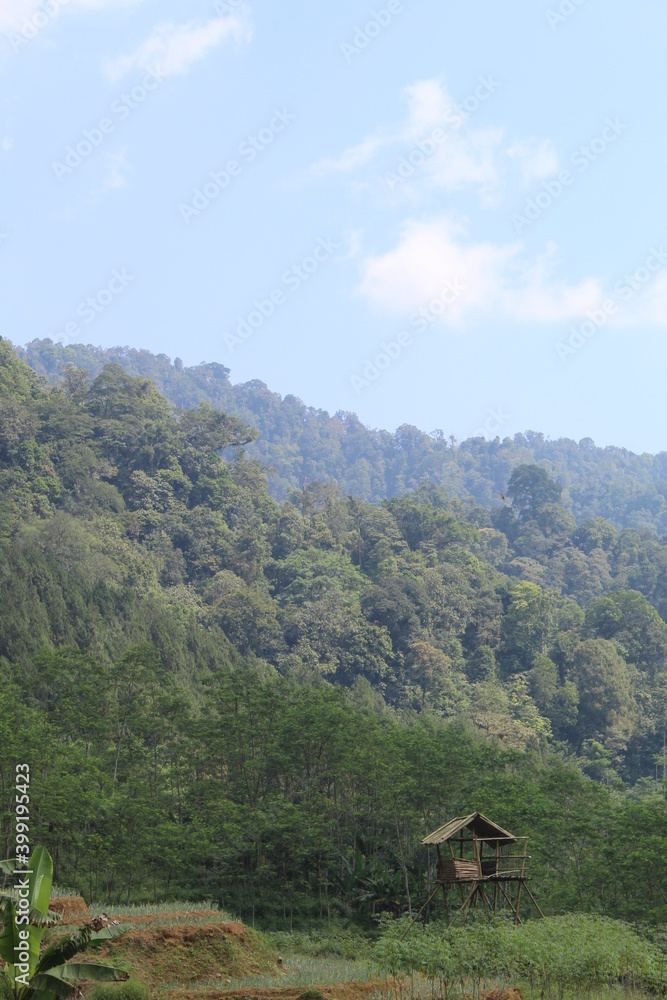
[[486, 865]]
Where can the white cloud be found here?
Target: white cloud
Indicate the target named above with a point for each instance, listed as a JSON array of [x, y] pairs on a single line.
[[536, 160], [429, 103], [174, 48], [13, 13], [646, 306], [438, 147], [7, 143], [467, 162], [353, 156], [494, 279]]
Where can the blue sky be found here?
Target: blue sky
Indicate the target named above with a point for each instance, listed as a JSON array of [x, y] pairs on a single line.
[[446, 215]]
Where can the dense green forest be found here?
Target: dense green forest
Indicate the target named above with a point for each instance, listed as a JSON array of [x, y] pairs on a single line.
[[270, 701], [298, 441]]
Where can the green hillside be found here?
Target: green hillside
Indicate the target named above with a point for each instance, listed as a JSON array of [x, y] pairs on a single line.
[[269, 702], [300, 441]]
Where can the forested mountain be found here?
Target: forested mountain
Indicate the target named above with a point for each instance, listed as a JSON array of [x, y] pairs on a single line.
[[223, 692], [300, 442]]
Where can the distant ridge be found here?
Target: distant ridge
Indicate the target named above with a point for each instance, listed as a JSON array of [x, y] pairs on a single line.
[[301, 442]]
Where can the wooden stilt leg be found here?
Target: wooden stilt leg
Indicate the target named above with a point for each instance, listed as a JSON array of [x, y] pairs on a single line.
[[535, 902], [512, 907], [471, 898], [486, 901], [465, 907], [444, 896], [518, 892], [410, 926]]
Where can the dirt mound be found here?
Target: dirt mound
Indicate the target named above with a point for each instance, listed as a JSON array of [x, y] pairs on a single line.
[[178, 954], [72, 908]]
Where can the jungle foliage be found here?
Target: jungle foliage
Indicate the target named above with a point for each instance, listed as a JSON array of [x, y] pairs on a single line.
[[299, 441], [271, 701]]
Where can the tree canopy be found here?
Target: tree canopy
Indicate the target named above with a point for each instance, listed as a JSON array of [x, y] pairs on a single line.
[[252, 686]]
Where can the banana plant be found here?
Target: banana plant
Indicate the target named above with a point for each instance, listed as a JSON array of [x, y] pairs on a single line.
[[8, 868], [29, 973]]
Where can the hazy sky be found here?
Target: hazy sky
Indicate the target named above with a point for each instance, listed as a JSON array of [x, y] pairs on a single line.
[[451, 215]]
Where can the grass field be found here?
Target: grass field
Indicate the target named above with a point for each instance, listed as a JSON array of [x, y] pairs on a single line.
[[189, 951]]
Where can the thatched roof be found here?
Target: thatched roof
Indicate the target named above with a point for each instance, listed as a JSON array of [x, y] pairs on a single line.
[[482, 827]]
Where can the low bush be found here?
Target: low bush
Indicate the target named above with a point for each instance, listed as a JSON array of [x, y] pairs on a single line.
[[130, 990], [554, 956]]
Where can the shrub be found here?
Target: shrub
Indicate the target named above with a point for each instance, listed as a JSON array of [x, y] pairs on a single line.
[[130, 990]]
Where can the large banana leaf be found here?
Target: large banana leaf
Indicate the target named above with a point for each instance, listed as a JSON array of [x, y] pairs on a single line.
[[37, 899], [8, 936], [73, 971], [49, 988], [52, 974], [39, 896], [57, 983], [36, 916], [41, 866], [62, 951]]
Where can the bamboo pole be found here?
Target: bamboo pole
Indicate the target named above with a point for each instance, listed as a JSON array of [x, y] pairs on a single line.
[[451, 851], [484, 896], [411, 925], [476, 854], [516, 915], [535, 902], [465, 906], [444, 889], [523, 867]]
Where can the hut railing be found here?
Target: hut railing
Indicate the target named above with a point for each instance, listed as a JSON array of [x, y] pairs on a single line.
[[468, 869]]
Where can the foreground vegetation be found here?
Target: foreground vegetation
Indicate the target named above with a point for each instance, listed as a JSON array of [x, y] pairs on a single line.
[[195, 951], [28, 971], [552, 957]]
